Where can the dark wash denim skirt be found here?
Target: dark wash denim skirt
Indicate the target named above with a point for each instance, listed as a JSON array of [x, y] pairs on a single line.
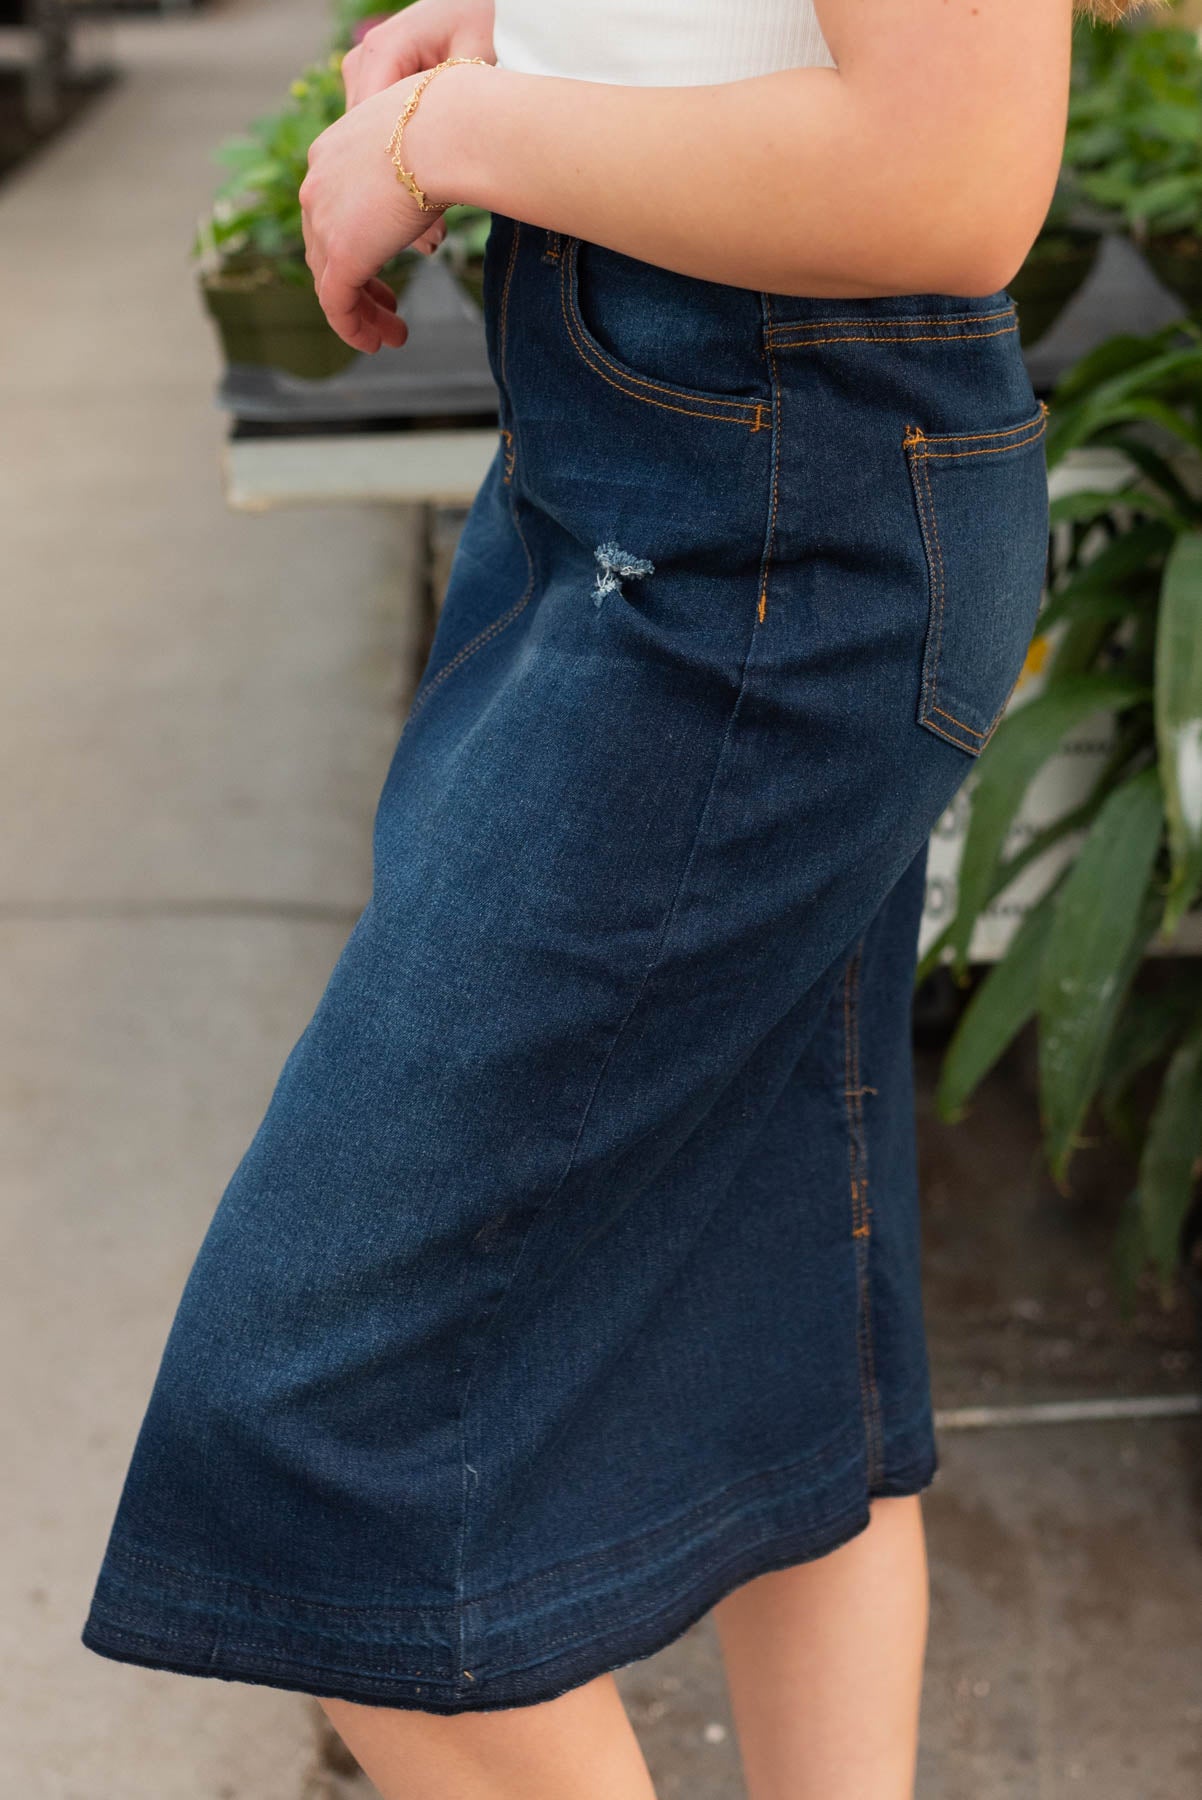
[[571, 1278]]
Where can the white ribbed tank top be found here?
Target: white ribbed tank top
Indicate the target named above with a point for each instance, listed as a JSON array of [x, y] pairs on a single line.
[[658, 43]]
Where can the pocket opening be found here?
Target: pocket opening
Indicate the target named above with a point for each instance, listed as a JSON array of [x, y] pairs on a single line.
[[752, 414], [982, 505]]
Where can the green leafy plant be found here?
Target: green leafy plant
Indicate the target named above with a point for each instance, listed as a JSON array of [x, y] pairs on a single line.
[[1123, 608], [1133, 148], [254, 228], [1096, 48], [255, 223]]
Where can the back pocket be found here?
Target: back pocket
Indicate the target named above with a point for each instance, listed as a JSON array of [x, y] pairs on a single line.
[[982, 501]]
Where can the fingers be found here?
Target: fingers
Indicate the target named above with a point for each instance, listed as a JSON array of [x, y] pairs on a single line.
[[431, 237], [313, 256], [376, 62], [393, 329], [363, 313], [349, 70], [364, 317], [367, 315], [350, 317], [346, 76], [380, 292]]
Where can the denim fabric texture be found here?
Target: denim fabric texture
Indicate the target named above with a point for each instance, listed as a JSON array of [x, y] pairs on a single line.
[[571, 1278]]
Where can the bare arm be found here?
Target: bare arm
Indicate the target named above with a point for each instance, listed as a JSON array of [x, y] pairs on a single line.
[[925, 161]]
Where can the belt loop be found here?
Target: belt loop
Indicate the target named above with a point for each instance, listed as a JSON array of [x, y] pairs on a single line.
[[551, 245]]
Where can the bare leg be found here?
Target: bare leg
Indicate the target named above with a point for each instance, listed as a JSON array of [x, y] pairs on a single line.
[[824, 1665], [580, 1746]]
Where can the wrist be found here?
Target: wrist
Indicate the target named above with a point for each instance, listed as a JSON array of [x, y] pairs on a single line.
[[444, 137]]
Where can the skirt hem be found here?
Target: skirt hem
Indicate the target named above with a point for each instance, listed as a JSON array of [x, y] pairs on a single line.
[[187, 1638]]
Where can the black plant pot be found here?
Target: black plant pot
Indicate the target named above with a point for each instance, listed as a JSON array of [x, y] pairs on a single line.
[[1057, 265], [265, 319]]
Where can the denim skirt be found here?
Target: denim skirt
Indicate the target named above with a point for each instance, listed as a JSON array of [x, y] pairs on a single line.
[[571, 1278]]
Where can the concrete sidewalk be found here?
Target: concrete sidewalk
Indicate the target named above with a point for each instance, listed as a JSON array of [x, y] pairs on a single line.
[[196, 713]]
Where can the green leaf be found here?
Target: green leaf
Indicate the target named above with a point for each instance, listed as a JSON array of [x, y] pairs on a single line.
[[1172, 1148], [1079, 645], [1170, 191], [1150, 1025], [1179, 719], [1077, 411], [1083, 505], [1100, 424], [1145, 409], [1147, 1031], [1115, 581], [1037, 845], [1159, 469], [1104, 914], [239, 154], [1014, 755], [1115, 356], [997, 1012]]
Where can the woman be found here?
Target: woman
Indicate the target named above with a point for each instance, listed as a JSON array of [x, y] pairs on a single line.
[[569, 1287]]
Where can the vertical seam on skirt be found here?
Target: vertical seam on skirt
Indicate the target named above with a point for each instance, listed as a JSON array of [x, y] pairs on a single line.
[[652, 965], [482, 637], [770, 533], [857, 1156], [464, 1674]]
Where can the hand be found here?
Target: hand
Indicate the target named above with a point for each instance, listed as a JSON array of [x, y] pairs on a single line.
[[355, 215], [417, 38]]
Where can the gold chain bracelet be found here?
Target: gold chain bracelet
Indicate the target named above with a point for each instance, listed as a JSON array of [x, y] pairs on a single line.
[[394, 143]]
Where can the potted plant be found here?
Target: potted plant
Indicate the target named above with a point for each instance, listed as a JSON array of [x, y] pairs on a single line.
[[1124, 606], [1135, 146], [256, 284]]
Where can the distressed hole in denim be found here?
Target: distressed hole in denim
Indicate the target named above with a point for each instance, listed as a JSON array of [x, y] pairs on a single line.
[[616, 566]]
